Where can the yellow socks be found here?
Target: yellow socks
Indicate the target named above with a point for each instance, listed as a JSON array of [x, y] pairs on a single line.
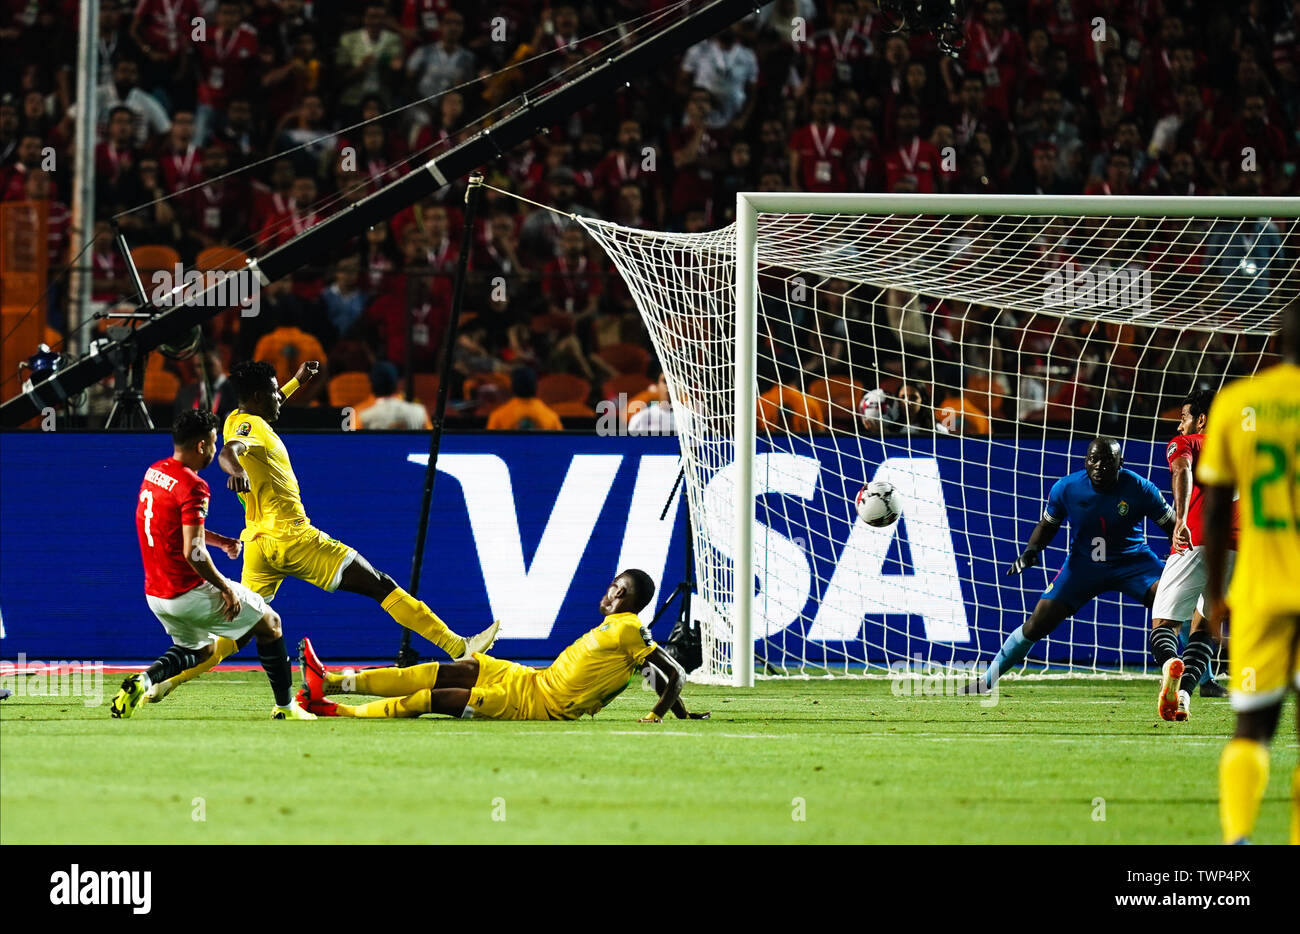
[[384, 682], [411, 705], [221, 649], [1243, 776], [417, 617], [1295, 807]]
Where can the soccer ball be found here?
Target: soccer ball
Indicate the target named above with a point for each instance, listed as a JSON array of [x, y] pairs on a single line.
[[878, 504]]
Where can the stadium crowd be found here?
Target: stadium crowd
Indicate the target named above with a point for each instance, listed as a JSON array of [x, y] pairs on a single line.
[[1103, 97]]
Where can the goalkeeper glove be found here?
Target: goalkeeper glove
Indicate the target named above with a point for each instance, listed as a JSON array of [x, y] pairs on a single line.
[[1027, 560]]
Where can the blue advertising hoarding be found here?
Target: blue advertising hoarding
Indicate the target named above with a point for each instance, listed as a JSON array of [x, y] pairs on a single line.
[[530, 528]]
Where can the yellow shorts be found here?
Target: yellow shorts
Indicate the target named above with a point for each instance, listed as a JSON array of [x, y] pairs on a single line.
[[311, 555], [506, 691], [1264, 659]]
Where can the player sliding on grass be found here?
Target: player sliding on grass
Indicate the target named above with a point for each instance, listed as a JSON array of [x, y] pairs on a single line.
[[191, 598], [280, 540], [583, 680], [1105, 505], [1182, 584]]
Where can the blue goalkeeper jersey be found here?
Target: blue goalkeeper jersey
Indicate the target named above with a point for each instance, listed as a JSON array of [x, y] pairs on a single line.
[[1114, 516]]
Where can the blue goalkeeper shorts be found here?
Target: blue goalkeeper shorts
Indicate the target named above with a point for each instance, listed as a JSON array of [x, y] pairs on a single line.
[[1080, 579]]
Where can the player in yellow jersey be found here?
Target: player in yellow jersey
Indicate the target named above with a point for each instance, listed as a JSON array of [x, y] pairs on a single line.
[[1252, 444], [583, 680], [280, 541]]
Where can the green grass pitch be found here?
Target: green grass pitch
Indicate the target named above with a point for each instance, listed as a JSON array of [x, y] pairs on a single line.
[[854, 761]]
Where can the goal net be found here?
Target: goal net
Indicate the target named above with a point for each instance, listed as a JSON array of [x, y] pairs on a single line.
[[964, 348]]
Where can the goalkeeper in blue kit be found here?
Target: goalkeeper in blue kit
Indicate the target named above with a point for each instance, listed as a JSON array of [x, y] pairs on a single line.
[[1105, 505]]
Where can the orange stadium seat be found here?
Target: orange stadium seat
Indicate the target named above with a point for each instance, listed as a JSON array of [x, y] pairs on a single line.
[[562, 387], [160, 385], [149, 259], [625, 358], [349, 389], [631, 383], [839, 396], [221, 257]]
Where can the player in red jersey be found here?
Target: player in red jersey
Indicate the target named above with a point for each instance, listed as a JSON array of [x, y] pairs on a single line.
[[194, 601], [1179, 598]]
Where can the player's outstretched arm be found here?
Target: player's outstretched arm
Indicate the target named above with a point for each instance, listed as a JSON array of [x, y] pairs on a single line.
[[300, 378], [229, 461], [669, 686], [192, 540], [678, 708], [231, 546], [1041, 537]]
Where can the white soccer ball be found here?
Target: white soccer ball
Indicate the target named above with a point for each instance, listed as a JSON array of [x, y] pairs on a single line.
[[878, 504]]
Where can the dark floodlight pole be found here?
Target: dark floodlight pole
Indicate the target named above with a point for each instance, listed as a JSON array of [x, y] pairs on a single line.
[[532, 117], [406, 655]]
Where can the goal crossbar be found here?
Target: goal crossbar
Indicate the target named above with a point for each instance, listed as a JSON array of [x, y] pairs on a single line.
[[784, 337]]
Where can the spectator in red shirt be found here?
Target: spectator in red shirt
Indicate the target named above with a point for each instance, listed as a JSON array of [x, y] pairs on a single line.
[[1119, 172], [444, 253], [697, 154], [380, 260], [862, 158], [421, 21], [621, 165], [973, 114], [425, 298], [1251, 138], [1128, 140], [1043, 178], [911, 157], [115, 158], [377, 161], [891, 73], [1116, 85], [161, 29], [301, 215], [817, 150], [1168, 65], [497, 258], [181, 165], [217, 212], [834, 57], [571, 284], [272, 199], [997, 53], [1180, 180], [227, 56]]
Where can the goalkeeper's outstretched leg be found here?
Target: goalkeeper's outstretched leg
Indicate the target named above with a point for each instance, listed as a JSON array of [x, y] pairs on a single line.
[[1106, 506]]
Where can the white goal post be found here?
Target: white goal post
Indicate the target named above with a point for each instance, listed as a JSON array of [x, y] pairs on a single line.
[[1042, 321]]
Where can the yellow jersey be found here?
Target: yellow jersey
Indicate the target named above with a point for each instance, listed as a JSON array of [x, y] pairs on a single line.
[[1252, 442], [596, 668], [274, 504]]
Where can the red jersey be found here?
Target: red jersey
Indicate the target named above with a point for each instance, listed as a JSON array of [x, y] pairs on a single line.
[[172, 495], [821, 156], [226, 64], [917, 159], [1189, 446]]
